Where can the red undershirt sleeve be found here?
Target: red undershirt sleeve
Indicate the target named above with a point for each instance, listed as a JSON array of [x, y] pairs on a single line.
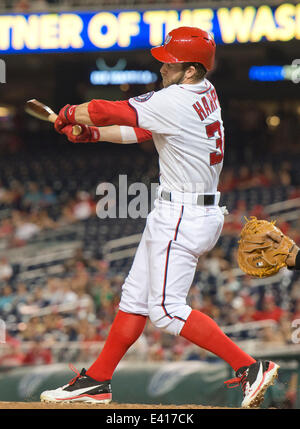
[[103, 113], [142, 135]]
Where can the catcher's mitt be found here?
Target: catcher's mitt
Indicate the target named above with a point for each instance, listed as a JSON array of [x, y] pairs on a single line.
[[263, 248]]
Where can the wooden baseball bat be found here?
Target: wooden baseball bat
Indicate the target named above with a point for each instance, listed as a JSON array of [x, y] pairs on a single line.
[[45, 113]]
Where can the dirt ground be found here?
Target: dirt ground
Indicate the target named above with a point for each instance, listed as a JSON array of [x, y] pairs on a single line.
[[112, 405]]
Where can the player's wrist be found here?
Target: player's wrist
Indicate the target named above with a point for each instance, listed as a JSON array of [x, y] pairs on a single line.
[[95, 134], [293, 260], [297, 260], [67, 113]]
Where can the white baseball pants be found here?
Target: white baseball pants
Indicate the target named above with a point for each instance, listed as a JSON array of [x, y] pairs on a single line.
[[164, 266]]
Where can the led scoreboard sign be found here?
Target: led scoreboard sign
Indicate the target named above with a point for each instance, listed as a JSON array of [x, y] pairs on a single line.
[[125, 30]]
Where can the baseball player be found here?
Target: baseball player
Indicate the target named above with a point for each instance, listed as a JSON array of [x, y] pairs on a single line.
[[184, 121]]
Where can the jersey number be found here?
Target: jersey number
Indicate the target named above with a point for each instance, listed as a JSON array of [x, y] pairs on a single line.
[[211, 130]]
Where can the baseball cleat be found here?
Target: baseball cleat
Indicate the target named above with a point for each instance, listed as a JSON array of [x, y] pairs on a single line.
[[81, 388], [254, 380]]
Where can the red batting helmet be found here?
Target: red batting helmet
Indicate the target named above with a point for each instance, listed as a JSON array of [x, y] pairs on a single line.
[[187, 45]]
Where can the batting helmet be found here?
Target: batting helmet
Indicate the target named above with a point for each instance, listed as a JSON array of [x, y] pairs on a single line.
[[187, 45]]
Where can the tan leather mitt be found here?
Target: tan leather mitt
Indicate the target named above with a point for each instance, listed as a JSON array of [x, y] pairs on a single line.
[[263, 248]]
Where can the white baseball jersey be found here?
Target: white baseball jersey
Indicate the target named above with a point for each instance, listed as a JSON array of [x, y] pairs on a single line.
[[187, 129]]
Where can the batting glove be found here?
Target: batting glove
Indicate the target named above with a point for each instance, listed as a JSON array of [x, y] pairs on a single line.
[[88, 134], [66, 116]]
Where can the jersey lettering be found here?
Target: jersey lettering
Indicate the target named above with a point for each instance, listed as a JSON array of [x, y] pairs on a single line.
[[197, 106], [186, 116], [207, 105], [211, 130]]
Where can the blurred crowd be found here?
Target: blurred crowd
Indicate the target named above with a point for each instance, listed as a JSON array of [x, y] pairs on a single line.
[[78, 306], [28, 207], [67, 316], [29, 211]]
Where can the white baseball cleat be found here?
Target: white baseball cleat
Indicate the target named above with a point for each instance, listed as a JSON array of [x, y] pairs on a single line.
[[81, 388], [255, 379]]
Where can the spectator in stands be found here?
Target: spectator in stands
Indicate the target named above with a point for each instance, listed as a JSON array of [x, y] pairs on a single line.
[[248, 310], [43, 221], [285, 327], [21, 293], [14, 195], [80, 277], [210, 308], [270, 336], [3, 193], [285, 178], [258, 211], [103, 297], [12, 355], [38, 354], [264, 176], [67, 217], [6, 269], [84, 206], [102, 267], [231, 306], [38, 297], [245, 178], [269, 310], [53, 292], [228, 180], [7, 297], [215, 262], [25, 229], [6, 228], [68, 294], [32, 330], [49, 197], [53, 325], [33, 197], [296, 312], [85, 304]]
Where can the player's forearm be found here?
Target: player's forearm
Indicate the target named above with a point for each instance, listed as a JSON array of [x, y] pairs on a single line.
[[82, 114], [111, 134], [123, 134]]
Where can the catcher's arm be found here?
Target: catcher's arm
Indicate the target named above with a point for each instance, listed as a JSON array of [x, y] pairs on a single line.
[[293, 259]]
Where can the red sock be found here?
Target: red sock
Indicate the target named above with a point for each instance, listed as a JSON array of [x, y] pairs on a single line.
[[203, 331], [124, 331]]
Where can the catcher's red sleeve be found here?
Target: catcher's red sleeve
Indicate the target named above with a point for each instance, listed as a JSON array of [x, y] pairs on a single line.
[[103, 113]]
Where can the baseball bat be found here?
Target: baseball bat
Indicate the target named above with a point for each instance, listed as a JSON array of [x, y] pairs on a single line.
[[40, 111]]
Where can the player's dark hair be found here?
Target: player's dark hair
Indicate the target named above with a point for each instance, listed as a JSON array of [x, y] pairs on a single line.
[[200, 69]]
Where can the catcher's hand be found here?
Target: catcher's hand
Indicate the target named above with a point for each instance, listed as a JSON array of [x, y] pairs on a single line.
[[263, 249]]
